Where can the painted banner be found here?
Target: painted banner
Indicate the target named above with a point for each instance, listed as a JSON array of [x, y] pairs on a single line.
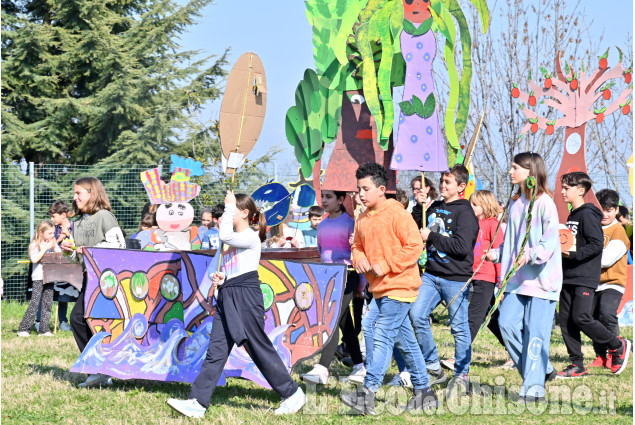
[[152, 313]]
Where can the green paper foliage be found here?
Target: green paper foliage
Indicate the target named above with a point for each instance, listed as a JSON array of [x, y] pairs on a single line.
[[416, 106], [308, 123], [444, 13], [381, 24]]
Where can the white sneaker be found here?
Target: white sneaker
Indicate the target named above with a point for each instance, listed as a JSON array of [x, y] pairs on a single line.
[[292, 404], [65, 327], [358, 375], [190, 408], [318, 375], [24, 334], [96, 380], [46, 334]]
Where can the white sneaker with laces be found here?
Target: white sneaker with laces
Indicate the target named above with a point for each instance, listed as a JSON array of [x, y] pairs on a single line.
[[46, 334], [292, 404], [358, 375], [96, 380], [190, 408], [24, 334], [318, 375]]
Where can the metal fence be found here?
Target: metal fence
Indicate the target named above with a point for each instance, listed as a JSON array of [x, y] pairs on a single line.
[[28, 191]]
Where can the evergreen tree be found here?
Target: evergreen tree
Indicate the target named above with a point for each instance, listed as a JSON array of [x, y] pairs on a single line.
[[88, 81]]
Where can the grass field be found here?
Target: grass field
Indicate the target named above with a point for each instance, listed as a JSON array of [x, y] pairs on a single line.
[[37, 387]]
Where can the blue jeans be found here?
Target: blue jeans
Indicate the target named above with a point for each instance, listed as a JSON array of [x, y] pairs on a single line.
[[368, 325], [432, 290], [391, 328], [525, 324]]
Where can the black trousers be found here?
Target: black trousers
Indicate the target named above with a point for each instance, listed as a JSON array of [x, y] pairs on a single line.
[[605, 304], [258, 346], [345, 321], [576, 314], [79, 325], [481, 300]]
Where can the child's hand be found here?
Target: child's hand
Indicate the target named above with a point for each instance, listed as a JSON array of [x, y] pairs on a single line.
[[294, 242], [377, 270], [230, 198], [68, 245], [80, 250], [425, 232], [522, 260], [489, 256], [218, 279], [351, 239], [50, 244], [362, 266]]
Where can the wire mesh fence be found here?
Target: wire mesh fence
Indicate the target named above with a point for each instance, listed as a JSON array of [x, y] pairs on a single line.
[[25, 189]]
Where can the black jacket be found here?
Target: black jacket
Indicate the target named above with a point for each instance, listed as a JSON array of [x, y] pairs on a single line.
[[451, 243], [584, 265], [417, 212]]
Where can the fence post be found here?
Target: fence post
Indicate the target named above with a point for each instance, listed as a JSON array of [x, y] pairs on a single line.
[[31, 200]]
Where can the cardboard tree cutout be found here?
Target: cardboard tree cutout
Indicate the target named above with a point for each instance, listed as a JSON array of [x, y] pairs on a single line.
[[175, 214], [575, 95], [358, 51]]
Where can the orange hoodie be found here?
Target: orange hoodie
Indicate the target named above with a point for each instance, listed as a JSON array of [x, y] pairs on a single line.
[[389, 236]]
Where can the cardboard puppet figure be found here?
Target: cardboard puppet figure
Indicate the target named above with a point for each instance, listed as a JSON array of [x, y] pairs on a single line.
[[174, 215]]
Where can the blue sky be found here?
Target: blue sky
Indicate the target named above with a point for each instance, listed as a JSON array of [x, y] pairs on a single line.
[[281, 35]]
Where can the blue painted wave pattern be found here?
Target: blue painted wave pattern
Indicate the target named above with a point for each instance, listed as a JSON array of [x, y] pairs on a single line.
[[625, 318], [175, 356]]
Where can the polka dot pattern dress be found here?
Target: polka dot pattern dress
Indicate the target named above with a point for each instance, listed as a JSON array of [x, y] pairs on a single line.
[[419, 144]]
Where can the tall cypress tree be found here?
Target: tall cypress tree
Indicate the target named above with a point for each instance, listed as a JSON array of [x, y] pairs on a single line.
[[90, 81]]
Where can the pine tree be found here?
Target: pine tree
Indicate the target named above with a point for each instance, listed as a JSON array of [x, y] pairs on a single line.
[[88, 81]]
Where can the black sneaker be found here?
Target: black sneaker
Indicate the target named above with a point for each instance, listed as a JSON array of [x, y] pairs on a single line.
[[572, 371], [551, 376], [437, 376], [422, 400], [618, 359], [362, 400]]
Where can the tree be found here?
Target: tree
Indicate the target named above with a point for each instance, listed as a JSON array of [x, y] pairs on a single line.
[[89, 81], [528, 35], [574, 95]]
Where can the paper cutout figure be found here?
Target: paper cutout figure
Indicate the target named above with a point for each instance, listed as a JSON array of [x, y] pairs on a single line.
[[419, 144], [164, 334], [574, 94], [174, 215], [242, 111], [357, 50], [274, 201]]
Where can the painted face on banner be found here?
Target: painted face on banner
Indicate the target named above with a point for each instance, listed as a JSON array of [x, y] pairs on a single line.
[[175, 217]]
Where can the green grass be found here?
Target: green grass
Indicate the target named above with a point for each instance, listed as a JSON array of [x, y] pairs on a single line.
[[37, 387]]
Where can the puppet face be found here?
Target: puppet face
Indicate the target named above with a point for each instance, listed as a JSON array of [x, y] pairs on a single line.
[[416, 11], [175, 217]]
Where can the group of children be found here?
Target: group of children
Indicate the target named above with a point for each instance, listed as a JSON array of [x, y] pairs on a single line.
[[464, 243]]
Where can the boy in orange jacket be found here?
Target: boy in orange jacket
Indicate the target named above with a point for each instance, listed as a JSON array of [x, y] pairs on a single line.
[[386, 248]]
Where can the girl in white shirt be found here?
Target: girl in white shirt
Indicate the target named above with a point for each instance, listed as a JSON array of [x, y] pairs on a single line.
[[239, 317], [43, 242]]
